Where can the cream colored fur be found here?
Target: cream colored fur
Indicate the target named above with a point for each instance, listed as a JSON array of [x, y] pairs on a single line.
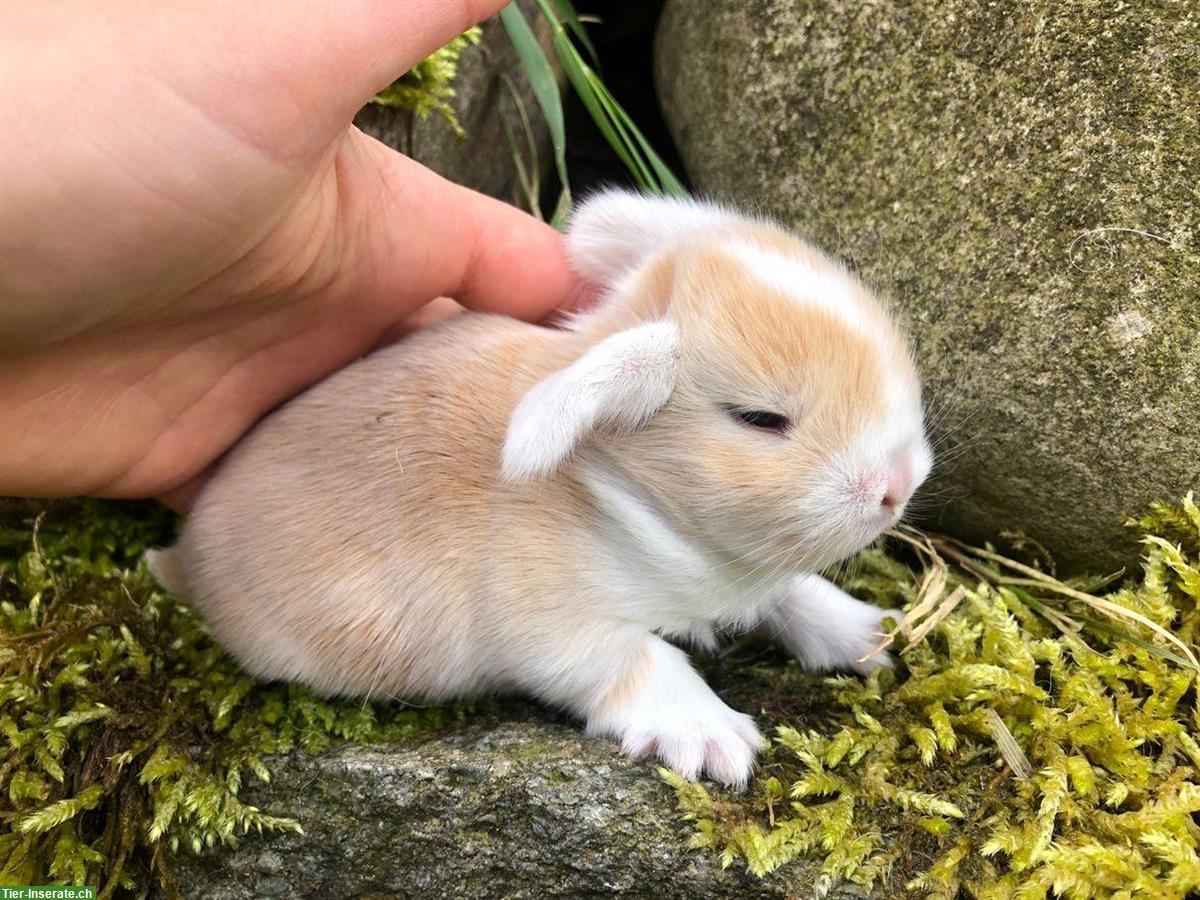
[[491, 506]]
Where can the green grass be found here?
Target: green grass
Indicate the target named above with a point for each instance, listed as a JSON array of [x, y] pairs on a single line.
[[629, 144], [429, 88]]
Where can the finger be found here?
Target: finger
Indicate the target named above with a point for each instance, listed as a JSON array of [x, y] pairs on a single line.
[[583, 296], [426, 237]]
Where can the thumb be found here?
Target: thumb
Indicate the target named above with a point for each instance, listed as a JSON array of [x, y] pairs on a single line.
[[421, 236]]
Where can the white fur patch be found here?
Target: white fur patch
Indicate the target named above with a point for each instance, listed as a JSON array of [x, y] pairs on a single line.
[[619, 383], [794, 278], [664, 579], [615, 231], [826, 628], [650, 535]]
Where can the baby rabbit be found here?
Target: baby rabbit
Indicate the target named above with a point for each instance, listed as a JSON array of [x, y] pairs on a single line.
[[491, 506]]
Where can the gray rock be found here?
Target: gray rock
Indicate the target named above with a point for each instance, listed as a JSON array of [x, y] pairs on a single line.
[[482, 160], [516, 806], [1022, 181]]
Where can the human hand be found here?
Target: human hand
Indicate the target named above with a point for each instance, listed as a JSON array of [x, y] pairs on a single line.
[[191, 231]]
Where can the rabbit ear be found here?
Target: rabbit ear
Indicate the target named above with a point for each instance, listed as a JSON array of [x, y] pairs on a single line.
[[613, 231], [619, 383]]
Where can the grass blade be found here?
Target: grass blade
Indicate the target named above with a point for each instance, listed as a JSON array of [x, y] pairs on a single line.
[[1106, 628], [669, 183], [576, 71], [566, 9], [943, 609], [1017, 761], [614, 123], [527, 178], [643, 173], [545, 89]]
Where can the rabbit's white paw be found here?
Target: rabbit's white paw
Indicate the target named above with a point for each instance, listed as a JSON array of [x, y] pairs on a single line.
[[826, 628], [662, 708]]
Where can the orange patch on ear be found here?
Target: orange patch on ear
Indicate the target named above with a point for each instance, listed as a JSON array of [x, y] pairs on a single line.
[[645, 299]]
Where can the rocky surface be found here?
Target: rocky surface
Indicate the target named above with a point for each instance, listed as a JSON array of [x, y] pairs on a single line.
[[514, 805], [1022, 181], [482, 159]]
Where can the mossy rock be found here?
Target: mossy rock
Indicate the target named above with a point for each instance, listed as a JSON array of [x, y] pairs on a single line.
[[1022, 181]]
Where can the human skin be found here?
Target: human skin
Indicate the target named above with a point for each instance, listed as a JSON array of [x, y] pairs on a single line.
[[191, 230]]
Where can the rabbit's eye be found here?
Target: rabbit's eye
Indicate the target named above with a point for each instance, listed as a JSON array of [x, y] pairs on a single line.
[[761, 419]]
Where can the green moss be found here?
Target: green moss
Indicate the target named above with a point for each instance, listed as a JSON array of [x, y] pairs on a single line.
[[902, 781], [127, 732], [428, 86]]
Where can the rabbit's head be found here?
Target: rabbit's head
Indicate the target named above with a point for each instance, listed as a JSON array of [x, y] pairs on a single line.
[[753, 388]]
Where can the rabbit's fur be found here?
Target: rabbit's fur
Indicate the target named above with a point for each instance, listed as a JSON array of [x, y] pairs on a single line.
[[495, 506]]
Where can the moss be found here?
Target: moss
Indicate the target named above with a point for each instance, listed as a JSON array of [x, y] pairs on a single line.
[[902, 781], [128, 733], [429, 86]]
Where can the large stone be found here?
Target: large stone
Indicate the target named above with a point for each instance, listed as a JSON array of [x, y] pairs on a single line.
[[482, 160], [1022, 180], [520, 805]]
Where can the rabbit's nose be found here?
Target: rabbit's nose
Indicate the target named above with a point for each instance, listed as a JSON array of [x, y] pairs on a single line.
[[898, 482]]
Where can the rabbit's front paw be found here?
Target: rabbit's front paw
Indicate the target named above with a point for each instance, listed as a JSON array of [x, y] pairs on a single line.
[[721, 744], [663, 709], [826, 628]]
